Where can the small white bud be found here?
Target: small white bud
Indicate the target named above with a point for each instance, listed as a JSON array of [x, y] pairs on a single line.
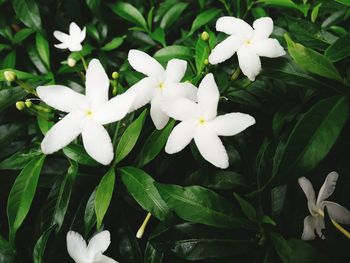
[[71, 62]]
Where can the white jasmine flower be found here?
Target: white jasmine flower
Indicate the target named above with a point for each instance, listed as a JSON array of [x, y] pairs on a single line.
[[91, 253], [86, 114], [199, 121], [159, 84], [73, 40], [315, 221], [249, 43]]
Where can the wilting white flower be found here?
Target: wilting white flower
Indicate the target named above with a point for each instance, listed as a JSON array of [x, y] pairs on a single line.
[[73, 40], [315, 221], [249, 43], [86, 114], [199, 121], [159, 84], [91, 253]]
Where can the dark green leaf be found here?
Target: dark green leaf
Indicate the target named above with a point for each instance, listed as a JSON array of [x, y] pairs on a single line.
[[246, 207], [10, 60], [339, 49], [22, 35], [18, 160], [43, 49], [172, 15], [175, 51], [93, 4], [40, 246], [113, 44], [203, 19], [89, 213], [9, 96], [77, 153], [28, 12]]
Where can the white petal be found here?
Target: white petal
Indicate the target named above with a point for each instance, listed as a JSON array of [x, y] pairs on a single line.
[[74, 29], [115, 109], [263, 27], [181, 109], [76, 247], [61, 46], [177, 90], [338, 213], [82, 35], [97, 83], [319, 222], [234, 26], [159, 118], [309, 192], [249, 61], [63, 133], [231, 123], [75, 47], [225, 49], [309, 228], [180, 136], [61, 98], [175, 70], [143, 92], [97, 142], [328, 187], [211, 147], [270, 48], [104, 259], [99, 243], [208, 97], [144, 63], [63, 37]]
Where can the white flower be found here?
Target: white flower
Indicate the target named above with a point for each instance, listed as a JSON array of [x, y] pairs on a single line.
[[91, 253], [315, 221], [73, 40], [159, 84], [249, 43], [199, 121], [86, 114]]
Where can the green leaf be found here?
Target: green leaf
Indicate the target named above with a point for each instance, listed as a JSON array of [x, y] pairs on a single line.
[[113, 44], [18, 160], [93, 5], [311, 60], [246, 207], [304, 8], [129, 138], [22, 35], [130, 13], [172, 15], [104, 193], [22, 194], [204, 18], [202, 53], [43, 49], [28, 12], [140, 186], [10, 60], [303, 252], [201, 205], [312, 137], [282, 247], [315, 12], [40, 246], [63, 197], [20, 75], [36, 59], [78, 154], [339, 50], [9, 96], [344, 2], [154, 144], [89, 213], [175, 51], [152, 255]]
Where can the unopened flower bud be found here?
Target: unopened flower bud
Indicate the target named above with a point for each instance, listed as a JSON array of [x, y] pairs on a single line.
[[28, 104], [206, 62], [10, 76], [20, 105], [71, 62], [115, 75], [205, 36]]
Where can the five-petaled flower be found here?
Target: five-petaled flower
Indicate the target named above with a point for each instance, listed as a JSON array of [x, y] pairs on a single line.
[[159, 84], [199, 121], [73, 40], [86, 114], [91, 253], [249, 43], [315, 221]]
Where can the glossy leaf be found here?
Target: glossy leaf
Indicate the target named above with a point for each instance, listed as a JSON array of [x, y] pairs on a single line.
[[77, 153], [18, 160], [28, 12], [204, 18], [175, 51], [339, 49], [43, 49], [172, 15]]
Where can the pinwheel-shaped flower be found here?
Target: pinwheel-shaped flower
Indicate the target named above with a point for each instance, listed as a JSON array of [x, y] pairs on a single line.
[[86, 114], [73, 40], [199, 121], [159, 84], [315, 221], [249, 43], [91, 253]]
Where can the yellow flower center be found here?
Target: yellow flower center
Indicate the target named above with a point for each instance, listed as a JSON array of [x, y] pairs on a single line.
[[161, 85], [247, 42], [88, 113], [202, 121]]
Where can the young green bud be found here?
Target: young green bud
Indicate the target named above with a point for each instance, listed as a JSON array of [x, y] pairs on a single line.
[[28, 104], [205, 36], [206, 61], [71, 62], [10, 76], [115, 75], [20, 105]]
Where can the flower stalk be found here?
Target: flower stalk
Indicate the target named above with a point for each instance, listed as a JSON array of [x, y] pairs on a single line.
[[141, 230]]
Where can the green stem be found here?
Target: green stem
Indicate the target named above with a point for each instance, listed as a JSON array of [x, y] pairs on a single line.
[[83, 60], [26, 87]]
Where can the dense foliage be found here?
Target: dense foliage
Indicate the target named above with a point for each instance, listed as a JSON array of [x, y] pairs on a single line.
[[252, 211]]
